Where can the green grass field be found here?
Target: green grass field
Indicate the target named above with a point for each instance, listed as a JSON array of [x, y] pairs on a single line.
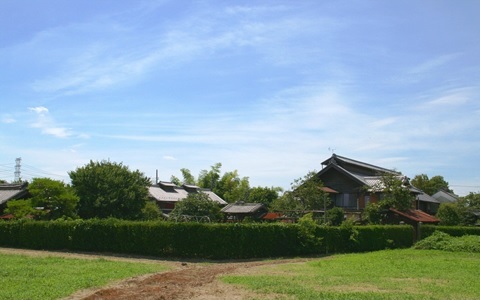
[[27, 277], [389, 274]]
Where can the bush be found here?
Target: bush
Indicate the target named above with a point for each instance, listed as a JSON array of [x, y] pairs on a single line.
[[335, 216], [443, 241]]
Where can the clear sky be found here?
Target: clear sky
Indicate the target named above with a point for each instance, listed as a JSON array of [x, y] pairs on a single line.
[[268, 88]]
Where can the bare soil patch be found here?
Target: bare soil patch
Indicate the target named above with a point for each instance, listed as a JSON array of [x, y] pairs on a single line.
[[197, 280]]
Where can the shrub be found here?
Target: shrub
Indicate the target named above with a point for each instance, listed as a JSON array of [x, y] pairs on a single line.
[[443, 241]]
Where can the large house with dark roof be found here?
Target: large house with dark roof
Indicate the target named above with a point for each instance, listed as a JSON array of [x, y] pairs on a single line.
[[356, 183]]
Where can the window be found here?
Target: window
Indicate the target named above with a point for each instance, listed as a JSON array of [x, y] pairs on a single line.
[[346, 201]]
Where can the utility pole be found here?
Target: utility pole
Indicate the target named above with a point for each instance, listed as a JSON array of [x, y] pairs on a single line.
[[18, 162]]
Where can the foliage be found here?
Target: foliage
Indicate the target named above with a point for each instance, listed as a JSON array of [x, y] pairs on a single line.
[[200, 240], [57, 198], [449, 214], [232, 188], [264, 195], [443, 241], [307, 232], [396, 193], [197, 204], [107, 189], [427, 230], [335, 216], [430, 185], [308, 192], [373, 213], [472, 200], [209, 179], [20, 208], [381, 275], [49, 277], [151, 211], [286, 202]]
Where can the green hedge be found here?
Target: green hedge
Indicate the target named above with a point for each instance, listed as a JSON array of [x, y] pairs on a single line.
[[427, 230], [195, 240]]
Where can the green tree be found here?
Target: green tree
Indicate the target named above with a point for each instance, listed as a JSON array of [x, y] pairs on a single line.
[[264, 195], [286, 202], [472, 200], [151, 211], [308, 191], [335, 216], [232, 188], [57, 198], [396, 192], [209, 179], [107, 189], [372, 213], [197, 205], [430, 185], [20, 208], [449, 214], [469, 207]]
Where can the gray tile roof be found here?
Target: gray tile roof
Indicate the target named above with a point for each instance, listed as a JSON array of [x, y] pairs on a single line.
[[11, 191], [242, 208], [169, 192], [445, 197], [345, 160]]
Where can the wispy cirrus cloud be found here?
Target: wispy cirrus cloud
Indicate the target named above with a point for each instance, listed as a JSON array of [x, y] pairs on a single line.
[[46, 124], [7, 119]]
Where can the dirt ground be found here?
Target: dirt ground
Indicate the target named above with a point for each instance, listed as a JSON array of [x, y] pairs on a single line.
[[197, 280]]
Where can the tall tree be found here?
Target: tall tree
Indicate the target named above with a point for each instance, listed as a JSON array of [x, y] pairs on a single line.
[[396, 192], [232, 188], [209, 179], [430, 185], [108, 189], [197, 205], [57, 198], [306, 194], [264, 195]]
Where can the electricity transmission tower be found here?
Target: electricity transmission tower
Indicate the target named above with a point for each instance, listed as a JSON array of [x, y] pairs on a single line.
[[18, 162]]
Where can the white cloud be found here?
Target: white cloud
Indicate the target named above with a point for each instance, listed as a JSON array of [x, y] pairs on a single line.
[[434, 63], [8, 119], [39, 109], [168, 157], [46, 124]]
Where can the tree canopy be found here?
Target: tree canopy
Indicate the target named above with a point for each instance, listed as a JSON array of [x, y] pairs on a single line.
[[197, 205], [306, 194], [108, 189], [57, 198], [430, 185], [396, 192], [230, 186]]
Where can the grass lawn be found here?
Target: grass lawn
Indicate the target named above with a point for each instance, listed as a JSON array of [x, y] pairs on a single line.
[[389, 274], [26, 277]]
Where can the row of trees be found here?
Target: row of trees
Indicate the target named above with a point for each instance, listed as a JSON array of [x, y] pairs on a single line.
[[108, 189], [229, 186]]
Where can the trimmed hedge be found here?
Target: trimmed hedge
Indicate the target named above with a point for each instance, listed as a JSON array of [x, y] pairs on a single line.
[[428, 230], [199, 240]]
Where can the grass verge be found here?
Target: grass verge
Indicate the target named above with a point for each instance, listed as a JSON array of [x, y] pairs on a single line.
[[26, 277], [389, 274]]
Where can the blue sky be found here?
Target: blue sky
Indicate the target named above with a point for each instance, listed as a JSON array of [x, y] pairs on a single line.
[[268, 88]]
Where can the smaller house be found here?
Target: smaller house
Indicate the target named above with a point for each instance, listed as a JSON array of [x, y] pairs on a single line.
[[427, 203], [167, 194], [236, 212], [11, 191], [445, 197]]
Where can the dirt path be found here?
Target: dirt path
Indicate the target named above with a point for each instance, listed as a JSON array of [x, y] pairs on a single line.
[[186, 280]]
